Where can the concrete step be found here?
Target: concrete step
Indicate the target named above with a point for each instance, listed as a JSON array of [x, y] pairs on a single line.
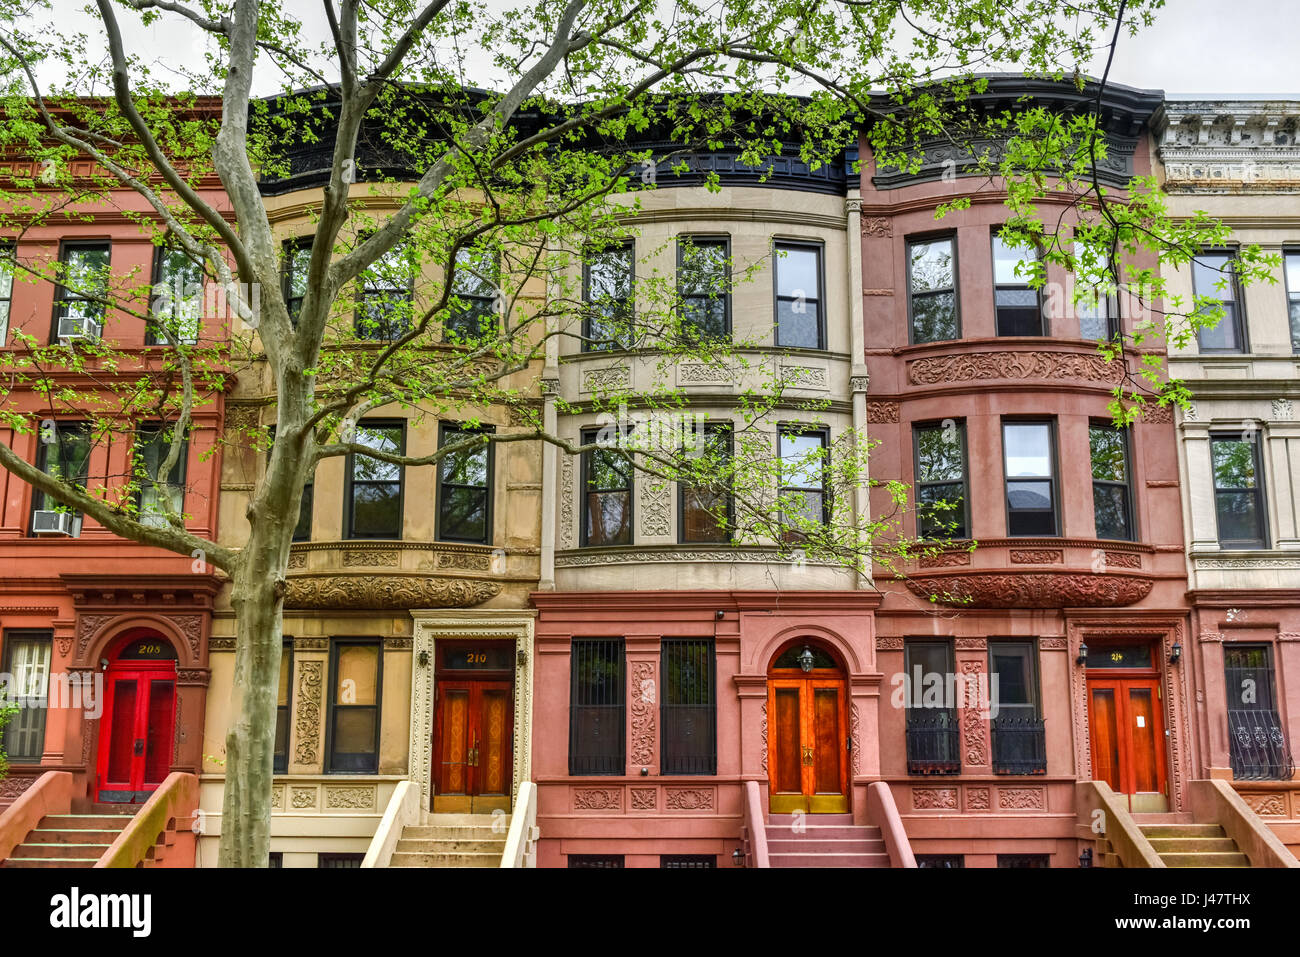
[[81, 822], [458, 859], [810, 818], [75, 836], [819, 845], [1205, 859], [782, 832], [46, 862], [1180, 830], [1169, 845], [407, 845], [1164, 817], [479, 820], [828, 860], [82, 852], [456, 832]]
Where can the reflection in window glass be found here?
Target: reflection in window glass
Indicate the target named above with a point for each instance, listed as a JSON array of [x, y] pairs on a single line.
[[932, 277], [1031, 506]]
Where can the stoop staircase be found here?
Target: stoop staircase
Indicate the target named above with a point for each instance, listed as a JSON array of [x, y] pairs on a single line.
[[72, 840], [1181, 842], [452, 840], [823, 840]]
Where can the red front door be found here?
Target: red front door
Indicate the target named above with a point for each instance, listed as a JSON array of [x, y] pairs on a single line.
[[135, 740], [472, 745], [1128, 739]]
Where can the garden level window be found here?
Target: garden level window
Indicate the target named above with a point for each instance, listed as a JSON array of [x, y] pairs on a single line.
[[705, 502], [1292, 294], [948, 861], [374, 494], [804, 501], [475, 291], [689, 707], [941, 480], [83, 286], [932, 284], [280, 764], [1214, 283], [465, 487], [386, 301], [1112, 488], [1019, 739], [1238, 496], [27, 665], [294, 271], [176, 303], [1019, 311], [345, 861], [7, 259], [356, 670], [932, 737], [704, 285], [63, 453], [607, 494], [1257, 744], [608, 277], [595, 860], [158, 496], [1030, 478], [1024, 860], [596, 707], [688, 861], [800, 320]]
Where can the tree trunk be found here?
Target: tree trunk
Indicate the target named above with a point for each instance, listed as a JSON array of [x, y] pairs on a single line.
[[250, 743]]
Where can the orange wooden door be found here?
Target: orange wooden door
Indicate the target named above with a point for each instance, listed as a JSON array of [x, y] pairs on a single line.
[[1126, 731], [473, 746], [808, 745]]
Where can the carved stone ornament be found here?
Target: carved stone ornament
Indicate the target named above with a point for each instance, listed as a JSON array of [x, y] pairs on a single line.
[[1033, 589], [880, 413], [307, 723], [1013, 365], [372, 591]]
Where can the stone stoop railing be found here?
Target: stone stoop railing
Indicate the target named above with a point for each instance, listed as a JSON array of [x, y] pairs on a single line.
[[51, 794], [521, 839], [1214, 801], [403, 810], [1116, 839], [754, 830], [883, 813], [162, 832]]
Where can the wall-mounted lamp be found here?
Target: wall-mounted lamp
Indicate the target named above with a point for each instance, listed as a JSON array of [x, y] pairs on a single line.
[[719, 614], [806, 660], [1176, 653], [738, 857], [1083, 654], [1085, 859]]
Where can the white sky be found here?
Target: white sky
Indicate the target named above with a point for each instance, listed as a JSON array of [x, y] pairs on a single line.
[[1216, 47]]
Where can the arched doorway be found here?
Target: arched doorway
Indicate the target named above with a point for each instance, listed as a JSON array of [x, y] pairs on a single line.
[[808, 740], [135, 738]]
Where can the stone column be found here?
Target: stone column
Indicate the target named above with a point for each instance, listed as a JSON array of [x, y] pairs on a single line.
[[1283, 455], [643, 695], [550, 479], [1215, 702], [1204, 531], [972, 705], [309, 690]]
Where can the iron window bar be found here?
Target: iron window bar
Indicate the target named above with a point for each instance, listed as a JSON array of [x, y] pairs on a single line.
[[1019, 745], [933, 746], [1258, 748]]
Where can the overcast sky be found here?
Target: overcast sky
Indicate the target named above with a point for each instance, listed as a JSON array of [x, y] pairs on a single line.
[[1218, 47]]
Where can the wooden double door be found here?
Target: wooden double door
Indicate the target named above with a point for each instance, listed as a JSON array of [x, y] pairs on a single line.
[[136, 730], [1127, 736], [808, 744], [473, 744]]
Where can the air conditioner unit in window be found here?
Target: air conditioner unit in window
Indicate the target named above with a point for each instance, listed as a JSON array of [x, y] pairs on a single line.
[[74, 328], [56, 523]]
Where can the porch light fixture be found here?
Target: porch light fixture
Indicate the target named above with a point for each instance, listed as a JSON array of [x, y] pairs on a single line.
[[738, 857], [806, 660], [1085, 858], [1176, 653], [1083, 654]]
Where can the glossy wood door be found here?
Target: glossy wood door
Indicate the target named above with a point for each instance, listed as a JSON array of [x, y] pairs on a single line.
[[136, 732], [1126, 731], [473, 746], [808, 745]]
